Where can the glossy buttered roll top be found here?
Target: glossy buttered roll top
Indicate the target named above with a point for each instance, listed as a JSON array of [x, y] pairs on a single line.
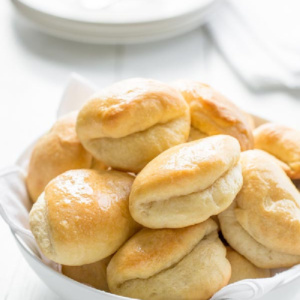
[[83, 217], [212, 113], [187, 184], [129, 123]]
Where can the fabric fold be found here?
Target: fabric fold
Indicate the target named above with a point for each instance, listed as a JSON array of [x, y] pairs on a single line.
[[258, 54]]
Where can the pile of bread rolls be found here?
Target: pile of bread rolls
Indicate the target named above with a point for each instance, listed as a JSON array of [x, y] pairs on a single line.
[[157, 191]]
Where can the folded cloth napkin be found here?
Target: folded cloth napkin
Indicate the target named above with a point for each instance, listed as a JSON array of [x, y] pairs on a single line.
[[260, 40], [15, 205]]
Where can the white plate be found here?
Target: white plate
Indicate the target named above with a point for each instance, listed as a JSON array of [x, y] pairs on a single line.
[[125, 21]]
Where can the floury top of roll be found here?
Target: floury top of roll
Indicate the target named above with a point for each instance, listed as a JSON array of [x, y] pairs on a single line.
[[129, 192]]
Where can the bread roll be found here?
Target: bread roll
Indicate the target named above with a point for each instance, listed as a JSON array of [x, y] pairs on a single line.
[[186, 263], [83, 216], [187, 184], [268, 203], [241, 241], [129, 123], [241, 268], [93, 274], [283, 143], [212, 113], [56, 152]]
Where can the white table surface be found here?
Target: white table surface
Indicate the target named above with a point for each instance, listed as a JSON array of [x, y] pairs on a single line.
[[33, 71]]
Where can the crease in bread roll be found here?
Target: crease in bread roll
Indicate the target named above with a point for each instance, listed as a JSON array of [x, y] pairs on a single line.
[[283, 143], [268, 203], [110, 148], [129, 123], [185, 263], [56, 152], [203, 201], [83, 216], [241, 268], [120, 106], [212, 113], [182, 240], [246, 245], [187, 184]]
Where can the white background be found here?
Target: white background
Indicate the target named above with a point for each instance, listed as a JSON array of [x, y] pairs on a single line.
[[33, 71]]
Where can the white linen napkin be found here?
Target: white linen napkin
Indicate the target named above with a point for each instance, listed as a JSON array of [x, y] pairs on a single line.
[[14, 209], [15, 205], [260, 40]]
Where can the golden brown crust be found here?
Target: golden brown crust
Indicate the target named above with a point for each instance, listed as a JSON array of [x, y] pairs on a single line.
[[92, 221], [283, 143], [129, 123], [170, 263], [212, 113], [241, 268], [56, 152], [268, 204], [93, 274], [187, 184]]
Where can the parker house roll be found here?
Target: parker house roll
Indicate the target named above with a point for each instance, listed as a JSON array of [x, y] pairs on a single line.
[[56, 152], [283, 143], [241, 268], [93, 274], [186, 263], [129, 123], [212, 113], [82, 216], [263, 223], [187, 184]]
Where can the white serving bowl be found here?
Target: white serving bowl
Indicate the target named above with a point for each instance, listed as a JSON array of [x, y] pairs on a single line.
[[14, 189], [63, 286]]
